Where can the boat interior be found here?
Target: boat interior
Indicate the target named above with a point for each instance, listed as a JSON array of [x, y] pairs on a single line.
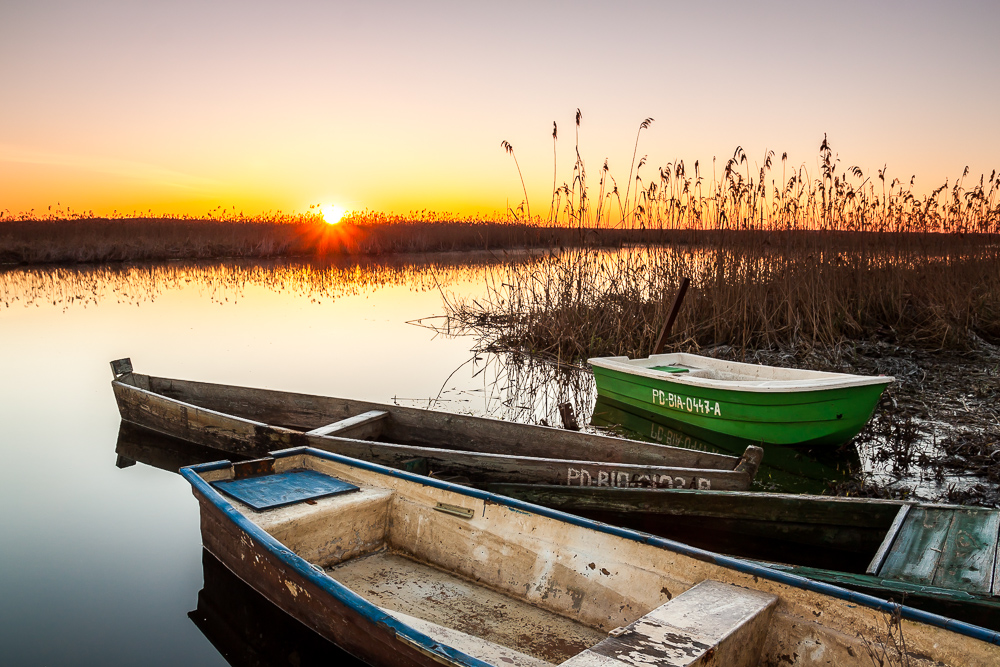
[[695, 366], [501, 584], [830, 543]]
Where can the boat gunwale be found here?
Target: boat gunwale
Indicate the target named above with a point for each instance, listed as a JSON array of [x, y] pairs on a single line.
[[346, 595], [828, 381], [762, 495]]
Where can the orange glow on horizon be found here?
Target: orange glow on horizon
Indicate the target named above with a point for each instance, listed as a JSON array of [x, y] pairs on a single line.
[[332, 214]]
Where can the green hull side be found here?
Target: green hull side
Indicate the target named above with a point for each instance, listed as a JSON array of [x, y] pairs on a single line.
[[827, 417], [784, 469]]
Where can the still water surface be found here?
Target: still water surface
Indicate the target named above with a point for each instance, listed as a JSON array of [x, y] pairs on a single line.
[[100, 559], [101, 565]]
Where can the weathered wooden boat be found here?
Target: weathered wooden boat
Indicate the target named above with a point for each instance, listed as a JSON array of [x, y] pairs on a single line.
[[783, 470], [249, 631], [252, 422], [402, 569], [941, 558], [755, 403]]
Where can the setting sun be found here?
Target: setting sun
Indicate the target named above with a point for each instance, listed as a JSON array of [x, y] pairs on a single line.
[[332, 213]]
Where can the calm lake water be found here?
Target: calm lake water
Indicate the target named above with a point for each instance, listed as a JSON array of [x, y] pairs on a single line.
[[100, 558], [101, 565]]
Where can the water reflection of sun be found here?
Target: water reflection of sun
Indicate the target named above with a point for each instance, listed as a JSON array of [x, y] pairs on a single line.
[[331, 213]]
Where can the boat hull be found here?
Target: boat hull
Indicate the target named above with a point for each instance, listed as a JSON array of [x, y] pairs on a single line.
[[229, 419], [578, 569], [824, 417], [825, 538], [783, 470], [249, 630], [348, 626]]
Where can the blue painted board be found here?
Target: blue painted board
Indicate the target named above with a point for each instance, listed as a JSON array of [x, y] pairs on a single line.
[[294, 486]]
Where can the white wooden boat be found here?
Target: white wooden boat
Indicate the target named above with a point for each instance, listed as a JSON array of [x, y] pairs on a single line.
[[401, 569]]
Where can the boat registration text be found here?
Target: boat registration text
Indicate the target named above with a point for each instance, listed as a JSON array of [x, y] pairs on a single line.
[[687, 403], [624, 480]]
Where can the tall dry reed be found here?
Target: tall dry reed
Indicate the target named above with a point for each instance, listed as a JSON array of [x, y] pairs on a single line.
[[753, 195], [750, 291]]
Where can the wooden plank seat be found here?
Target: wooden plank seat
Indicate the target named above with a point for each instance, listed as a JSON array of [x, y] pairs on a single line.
[[365, 426], [711, 621], [944, 547]]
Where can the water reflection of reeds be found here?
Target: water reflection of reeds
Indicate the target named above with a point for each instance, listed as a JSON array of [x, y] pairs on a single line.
[[222, 282]]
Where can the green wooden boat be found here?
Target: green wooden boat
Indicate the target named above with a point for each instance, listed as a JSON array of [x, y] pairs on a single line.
[[940, 558], [754, 403]]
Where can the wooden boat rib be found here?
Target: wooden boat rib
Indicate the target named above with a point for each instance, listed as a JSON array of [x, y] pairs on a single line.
[[389, 571], [943, 558], [251, 422], [755, 403]]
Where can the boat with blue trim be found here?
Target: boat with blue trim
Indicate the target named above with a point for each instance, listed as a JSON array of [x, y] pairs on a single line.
[[937, 557], [402, 569]]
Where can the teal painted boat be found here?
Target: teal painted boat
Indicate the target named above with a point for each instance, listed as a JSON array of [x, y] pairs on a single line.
[[755, 403]]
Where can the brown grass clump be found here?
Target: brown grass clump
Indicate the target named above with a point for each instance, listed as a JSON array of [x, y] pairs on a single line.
[[886, 647], [750, 291]]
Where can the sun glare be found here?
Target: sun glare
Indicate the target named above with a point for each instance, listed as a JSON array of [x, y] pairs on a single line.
[[332, 213]]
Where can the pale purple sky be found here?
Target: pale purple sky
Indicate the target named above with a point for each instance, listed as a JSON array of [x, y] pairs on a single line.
[[182, 106]]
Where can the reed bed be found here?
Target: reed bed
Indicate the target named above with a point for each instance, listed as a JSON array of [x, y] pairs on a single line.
[[787, 291], [63, 239], [772, 194]]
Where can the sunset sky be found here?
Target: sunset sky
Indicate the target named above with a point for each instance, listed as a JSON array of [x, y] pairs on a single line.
[[183, 106]]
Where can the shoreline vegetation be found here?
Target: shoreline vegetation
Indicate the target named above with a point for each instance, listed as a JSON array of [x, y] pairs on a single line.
[[750, 291], [773, 197], [781, 256], [839, 271]]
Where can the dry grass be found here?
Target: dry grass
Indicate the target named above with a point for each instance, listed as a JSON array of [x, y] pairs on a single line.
[[781, 258], [78, 239], [887, 645], [750, 291], [671, 207], [773, 195], [778, 262], [62, 239]]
